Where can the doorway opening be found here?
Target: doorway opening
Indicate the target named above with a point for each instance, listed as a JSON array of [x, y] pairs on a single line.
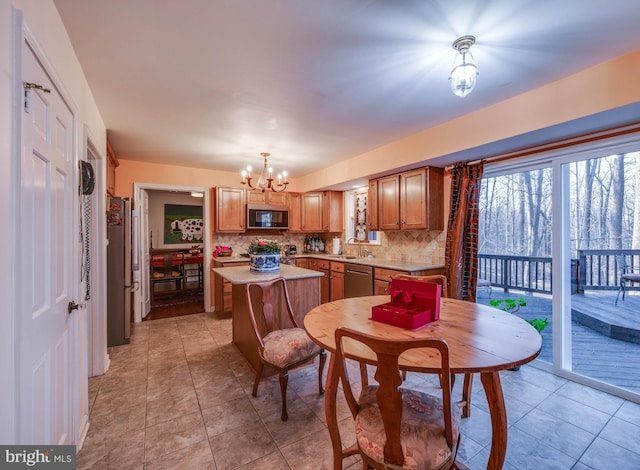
[[174, 251]]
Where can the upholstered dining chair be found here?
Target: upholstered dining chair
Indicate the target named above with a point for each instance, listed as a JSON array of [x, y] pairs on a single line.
[[282, 344], [468, 378], [627, 274], [398, 427]]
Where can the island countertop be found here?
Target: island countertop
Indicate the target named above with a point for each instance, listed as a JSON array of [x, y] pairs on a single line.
[[242, 274]]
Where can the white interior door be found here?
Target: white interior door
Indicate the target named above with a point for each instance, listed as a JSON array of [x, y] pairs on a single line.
[[48, 276], [142, 297]]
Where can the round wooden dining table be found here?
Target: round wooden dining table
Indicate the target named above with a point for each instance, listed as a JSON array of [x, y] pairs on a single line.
[[481, 339]]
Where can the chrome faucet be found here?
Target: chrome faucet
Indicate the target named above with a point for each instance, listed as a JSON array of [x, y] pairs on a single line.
[[360, 248]]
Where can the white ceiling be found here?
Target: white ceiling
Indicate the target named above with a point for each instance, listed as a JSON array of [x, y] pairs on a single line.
[[212, 83]]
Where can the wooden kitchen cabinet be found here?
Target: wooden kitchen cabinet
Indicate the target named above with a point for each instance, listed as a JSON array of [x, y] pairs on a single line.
[[311, 212], [302, 263], [382, 277], [230, 210], [389, 203], [422, 199], [324, 267], [336, 281], [332, 211], [413, 200], [295, 222], [222, 288], [268, 198], [112, 163], [372, 205]]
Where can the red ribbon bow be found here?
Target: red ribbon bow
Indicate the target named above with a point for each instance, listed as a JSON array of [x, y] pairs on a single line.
[[399, 295]]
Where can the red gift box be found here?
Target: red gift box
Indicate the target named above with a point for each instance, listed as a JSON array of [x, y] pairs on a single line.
[[413, 304]]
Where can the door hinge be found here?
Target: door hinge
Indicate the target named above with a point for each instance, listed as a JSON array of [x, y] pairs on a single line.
[[27, 93]]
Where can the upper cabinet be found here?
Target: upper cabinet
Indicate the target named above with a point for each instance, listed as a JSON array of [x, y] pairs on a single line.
[[295, 212], [372, 206], [332, 211], [413, 200], [320, 212], [112, 163], [311, 212], [389, 203], [230, 210], [268, 197]]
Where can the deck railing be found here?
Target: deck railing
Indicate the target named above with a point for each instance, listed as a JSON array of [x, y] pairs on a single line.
[[526, 273], [593, 270], [599, 269]]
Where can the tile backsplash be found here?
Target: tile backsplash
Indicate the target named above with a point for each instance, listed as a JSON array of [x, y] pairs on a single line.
[[420, 246]]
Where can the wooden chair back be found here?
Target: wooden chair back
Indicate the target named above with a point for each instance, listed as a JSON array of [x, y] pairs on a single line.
[[387, 375], [437, 278], [269, 296]]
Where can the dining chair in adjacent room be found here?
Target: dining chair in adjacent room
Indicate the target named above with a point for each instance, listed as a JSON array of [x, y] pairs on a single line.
[[468, 378], [167, 270], [282, 344], [398, 427]]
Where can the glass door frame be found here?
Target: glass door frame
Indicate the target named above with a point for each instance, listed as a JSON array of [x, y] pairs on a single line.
[[558, 160]]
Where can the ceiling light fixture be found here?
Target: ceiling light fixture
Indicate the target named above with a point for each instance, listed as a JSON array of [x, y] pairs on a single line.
[[265, 181], [464, 71]]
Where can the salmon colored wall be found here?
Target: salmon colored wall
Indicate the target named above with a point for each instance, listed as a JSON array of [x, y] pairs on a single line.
[[129, 172], [601, 88]]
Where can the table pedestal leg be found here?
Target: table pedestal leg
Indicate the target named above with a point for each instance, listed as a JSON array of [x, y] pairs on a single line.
[[330, 410], [493, 390]]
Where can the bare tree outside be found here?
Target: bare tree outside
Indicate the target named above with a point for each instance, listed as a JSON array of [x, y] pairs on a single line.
[[605, 208]]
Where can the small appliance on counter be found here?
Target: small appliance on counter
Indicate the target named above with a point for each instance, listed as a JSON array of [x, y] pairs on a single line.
[[290, 249]]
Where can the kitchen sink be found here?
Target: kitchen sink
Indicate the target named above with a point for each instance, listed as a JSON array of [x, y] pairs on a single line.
[[343, 257]]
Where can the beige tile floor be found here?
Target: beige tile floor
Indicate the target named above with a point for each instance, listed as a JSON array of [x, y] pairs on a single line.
[[179, 396]]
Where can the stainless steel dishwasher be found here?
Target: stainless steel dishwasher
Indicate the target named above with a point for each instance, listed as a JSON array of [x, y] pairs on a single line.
[[358, 280]]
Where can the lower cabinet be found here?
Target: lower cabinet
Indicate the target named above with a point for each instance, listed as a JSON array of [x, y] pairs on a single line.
[[336, 281], [382, 278], [222, 288], [324, 268]]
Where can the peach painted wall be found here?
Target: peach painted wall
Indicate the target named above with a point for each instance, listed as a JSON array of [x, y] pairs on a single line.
[[601, 88], [129, 172]]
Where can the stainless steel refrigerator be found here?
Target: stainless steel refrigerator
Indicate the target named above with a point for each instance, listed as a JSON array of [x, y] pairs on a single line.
[[119, 276]]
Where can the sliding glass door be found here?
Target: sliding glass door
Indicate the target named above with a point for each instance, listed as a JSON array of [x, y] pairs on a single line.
[[604, 221], [515, 248], [556, 236]]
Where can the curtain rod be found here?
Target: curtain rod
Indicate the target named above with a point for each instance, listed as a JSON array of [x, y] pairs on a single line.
[[558, 144]]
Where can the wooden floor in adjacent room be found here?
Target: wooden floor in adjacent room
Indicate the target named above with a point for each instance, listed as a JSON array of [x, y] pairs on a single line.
[[177, 309]]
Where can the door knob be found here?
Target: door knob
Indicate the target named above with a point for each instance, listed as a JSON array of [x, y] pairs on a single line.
[[72, 306]]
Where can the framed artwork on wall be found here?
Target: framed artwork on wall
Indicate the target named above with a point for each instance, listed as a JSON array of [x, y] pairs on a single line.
[[182, 223]]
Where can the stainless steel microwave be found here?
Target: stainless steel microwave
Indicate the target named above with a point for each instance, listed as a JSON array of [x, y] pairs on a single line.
[[266, 217]]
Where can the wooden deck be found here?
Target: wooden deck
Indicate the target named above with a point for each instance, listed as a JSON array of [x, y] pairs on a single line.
[[605, 337]]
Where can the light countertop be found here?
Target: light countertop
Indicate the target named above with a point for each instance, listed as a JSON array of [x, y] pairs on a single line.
[[242, 274], [408, 266]]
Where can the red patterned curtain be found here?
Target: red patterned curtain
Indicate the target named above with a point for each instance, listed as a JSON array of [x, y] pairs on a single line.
[[461, 251]]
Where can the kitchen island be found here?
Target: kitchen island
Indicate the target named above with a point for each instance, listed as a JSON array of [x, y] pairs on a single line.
[[304, 292]]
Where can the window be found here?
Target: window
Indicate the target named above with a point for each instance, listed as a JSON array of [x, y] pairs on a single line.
[[356, 217]]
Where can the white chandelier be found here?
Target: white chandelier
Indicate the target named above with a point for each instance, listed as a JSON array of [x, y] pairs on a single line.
[[464, 72], [265, 180]]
